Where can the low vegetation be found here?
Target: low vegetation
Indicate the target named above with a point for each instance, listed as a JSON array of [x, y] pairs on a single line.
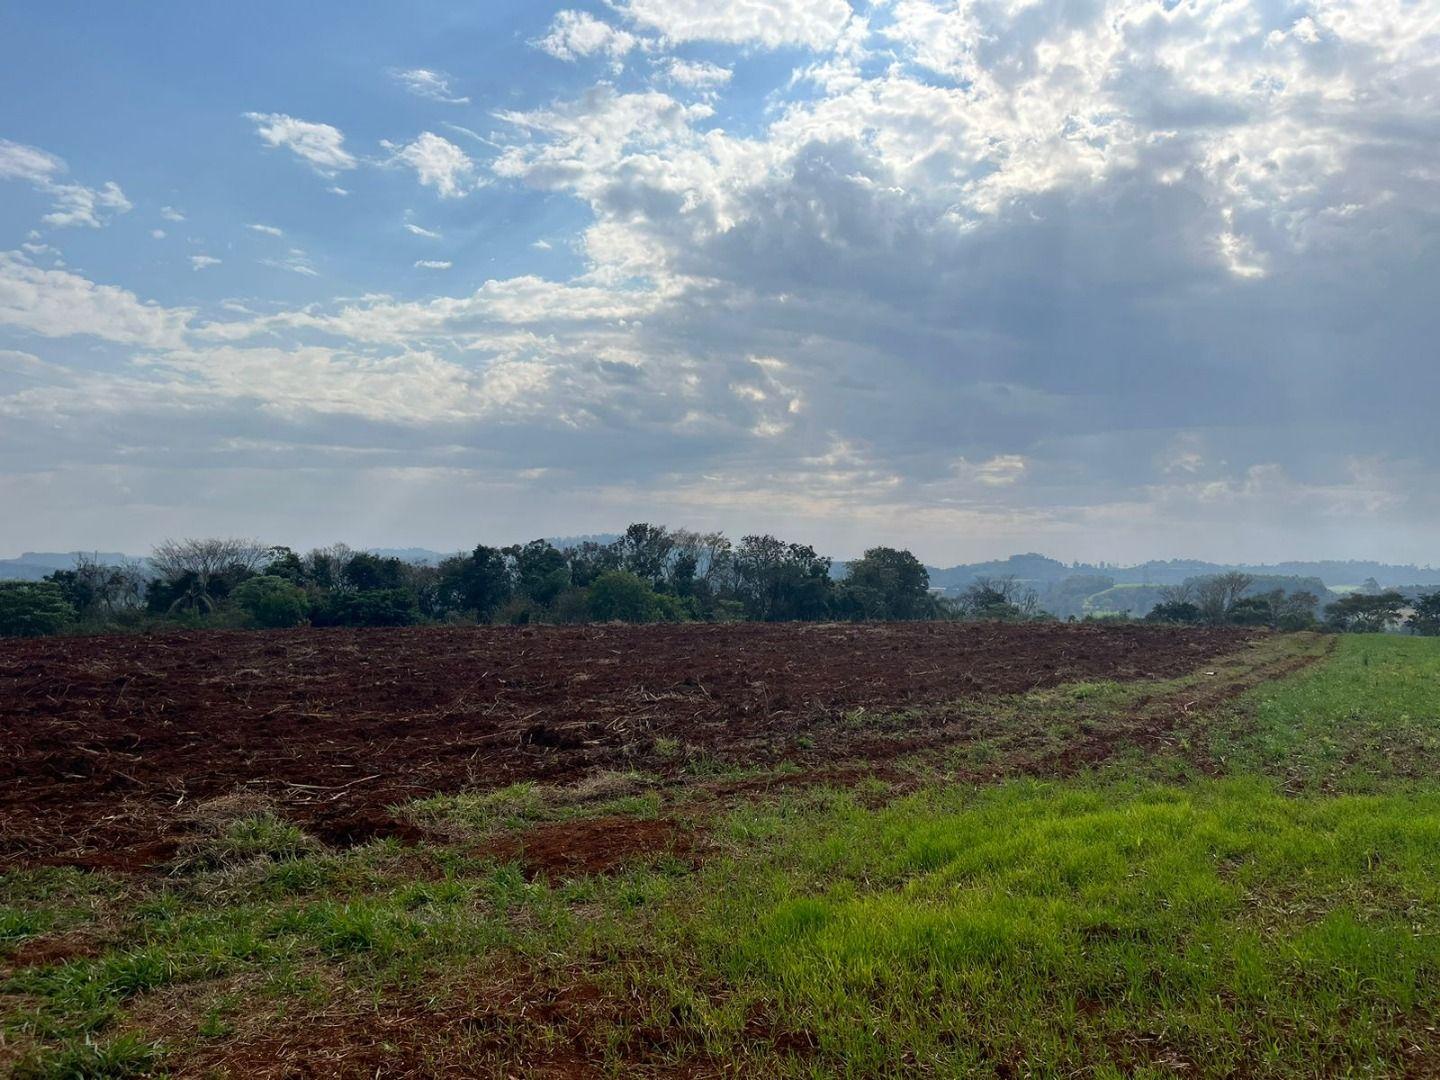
[[1245, 881]]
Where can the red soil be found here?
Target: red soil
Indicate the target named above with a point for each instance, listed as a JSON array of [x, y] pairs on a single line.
[[108, 740]]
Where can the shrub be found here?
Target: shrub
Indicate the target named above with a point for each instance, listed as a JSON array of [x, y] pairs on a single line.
[[621, 595], [572, 606], [271, 602], [33, 609], [370, 607]]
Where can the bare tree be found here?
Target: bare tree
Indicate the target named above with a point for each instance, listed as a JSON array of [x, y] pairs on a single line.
[[1216, 595], [1184, 593], [198, 563], [704, 551], [999, 598]]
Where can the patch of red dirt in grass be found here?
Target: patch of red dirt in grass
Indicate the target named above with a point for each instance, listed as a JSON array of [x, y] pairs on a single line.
[[109, 739], [51, 950], [590, 846]]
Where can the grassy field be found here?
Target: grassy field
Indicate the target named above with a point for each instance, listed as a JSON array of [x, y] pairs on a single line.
[[1230, 878]]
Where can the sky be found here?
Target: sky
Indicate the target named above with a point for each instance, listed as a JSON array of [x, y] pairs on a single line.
[[1105, 279]]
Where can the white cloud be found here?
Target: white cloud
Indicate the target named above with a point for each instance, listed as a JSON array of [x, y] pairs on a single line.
[[438, 163], [203, 262], [57, 303], [541, 245], [417, 230], [321, 146], [576, 34], [296, 262], [958, 276], [1002, 470], [434, 85], [75, 204], [169, 213], [267, 230], [158, 234], [30, 163], [433, 264], [696, 74], [336, 190], [770, 23]]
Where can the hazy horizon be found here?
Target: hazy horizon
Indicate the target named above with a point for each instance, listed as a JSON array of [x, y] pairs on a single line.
[[838, 556], [1117, 278]]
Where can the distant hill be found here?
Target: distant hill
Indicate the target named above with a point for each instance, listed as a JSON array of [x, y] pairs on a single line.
[[1040, 570], [34, 565]]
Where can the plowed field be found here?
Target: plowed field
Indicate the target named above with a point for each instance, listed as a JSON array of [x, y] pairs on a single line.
[[107, 740]]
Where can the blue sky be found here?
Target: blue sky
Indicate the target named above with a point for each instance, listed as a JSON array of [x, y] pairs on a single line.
[[1103, 278]]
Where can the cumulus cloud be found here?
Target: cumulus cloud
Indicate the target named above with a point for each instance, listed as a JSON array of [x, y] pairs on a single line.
[[576, 34], [433, 85], [58, 304], [321, 146], [75, 204], [696, 74], [769, 23], [1108, 279], [438, 163]]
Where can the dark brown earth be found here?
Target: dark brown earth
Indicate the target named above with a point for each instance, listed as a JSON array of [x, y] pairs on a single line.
[[590, 845], [108, 740]]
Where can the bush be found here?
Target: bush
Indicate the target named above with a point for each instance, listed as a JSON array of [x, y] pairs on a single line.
[[33, 609], [571, 606], [369, 607], [272, 602], [621, 595]]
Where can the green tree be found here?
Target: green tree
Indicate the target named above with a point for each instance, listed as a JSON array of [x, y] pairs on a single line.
[[480, 582], [893, 584], [33, 609], [1425, 618], [621, 595], [1361, 613], [645, 551], [589, 559], [778, 582], [370, 607], [272, 602], [541, 571], [365, 572], [1174, 611]]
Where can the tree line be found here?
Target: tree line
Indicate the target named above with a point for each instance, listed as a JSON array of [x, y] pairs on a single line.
[[1228, 599], [650, 573]]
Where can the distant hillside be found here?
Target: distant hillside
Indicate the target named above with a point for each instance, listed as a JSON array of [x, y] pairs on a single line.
[[1040, 570], [34, 565]]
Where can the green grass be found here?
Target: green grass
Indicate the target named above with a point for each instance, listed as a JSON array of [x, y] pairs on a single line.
[[1136, 919], [516, 806], [1368, 718], [1223, 926]]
